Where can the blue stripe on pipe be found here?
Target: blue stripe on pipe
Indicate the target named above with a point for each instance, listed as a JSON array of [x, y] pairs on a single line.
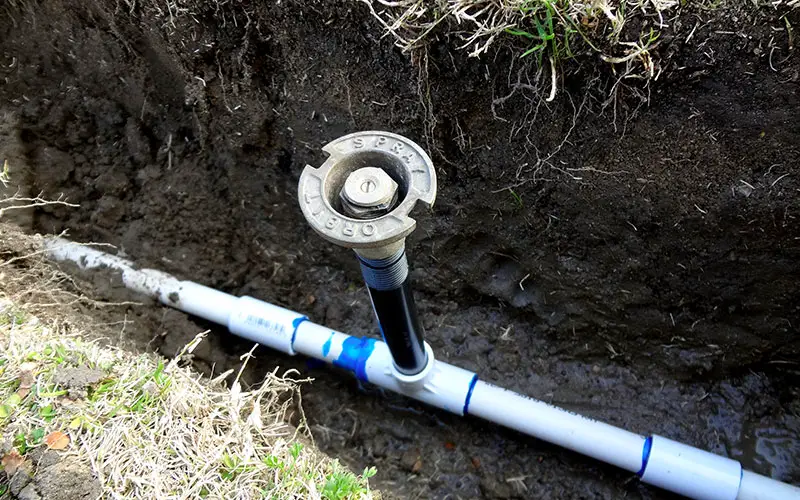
[[648, 445], [355, 353], [469, 393], [326, 347], [296, 324]]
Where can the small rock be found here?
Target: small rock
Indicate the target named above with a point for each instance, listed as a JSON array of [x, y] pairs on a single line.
[[29, 493], [66, 480], [42, 457], [409, 460], [20, 480], [7, 446], [744, 190]]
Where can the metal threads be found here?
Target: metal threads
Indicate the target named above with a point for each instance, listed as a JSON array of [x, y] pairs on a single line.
[[385, 274]]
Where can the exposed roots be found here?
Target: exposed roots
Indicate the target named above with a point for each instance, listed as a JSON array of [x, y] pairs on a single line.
[[554, 30]]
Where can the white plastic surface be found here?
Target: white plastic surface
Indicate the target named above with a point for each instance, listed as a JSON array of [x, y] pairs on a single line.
[[446, 386], [757, 487], [200, 301], [691, 472], [264, 323], [555, 425]]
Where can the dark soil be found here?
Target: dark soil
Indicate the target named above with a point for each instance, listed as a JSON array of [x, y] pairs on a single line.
[[638, 262]]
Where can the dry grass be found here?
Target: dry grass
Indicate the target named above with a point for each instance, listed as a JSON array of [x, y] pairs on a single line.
[[155, 430], [622, 33], [144, 427], [555, 29]]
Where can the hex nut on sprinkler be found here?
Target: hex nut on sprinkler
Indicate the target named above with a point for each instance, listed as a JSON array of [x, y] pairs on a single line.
[[368, 193], [401, 160]]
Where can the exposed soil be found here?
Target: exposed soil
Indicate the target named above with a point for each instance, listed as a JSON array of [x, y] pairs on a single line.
[[646, 274]]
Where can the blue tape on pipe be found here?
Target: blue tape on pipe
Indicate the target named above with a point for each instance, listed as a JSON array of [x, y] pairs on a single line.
[[469, 393], [355, 353], [326, 347], [296, 324], [648, 445]]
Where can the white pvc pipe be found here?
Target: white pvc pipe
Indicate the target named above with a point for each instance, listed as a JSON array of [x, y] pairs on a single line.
[[570, 430], [757, 487], [657, 460]]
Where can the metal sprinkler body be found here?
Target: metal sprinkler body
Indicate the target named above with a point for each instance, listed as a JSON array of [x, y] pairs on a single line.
[[360, 198]]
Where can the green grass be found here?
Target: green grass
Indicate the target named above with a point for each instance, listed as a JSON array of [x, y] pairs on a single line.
[[549, 34]]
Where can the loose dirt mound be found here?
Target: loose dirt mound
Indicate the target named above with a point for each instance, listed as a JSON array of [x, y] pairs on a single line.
[[635, 260]]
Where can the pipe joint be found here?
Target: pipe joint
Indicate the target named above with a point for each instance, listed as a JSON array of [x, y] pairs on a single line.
[[690, 471], [418, 380]]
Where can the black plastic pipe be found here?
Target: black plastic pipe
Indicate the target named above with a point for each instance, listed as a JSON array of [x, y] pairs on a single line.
[[389, 288]]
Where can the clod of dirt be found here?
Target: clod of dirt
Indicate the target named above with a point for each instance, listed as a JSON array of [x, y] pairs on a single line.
[[65, 480], [43, 458], [493, 488], [19, 481], [76, 380]]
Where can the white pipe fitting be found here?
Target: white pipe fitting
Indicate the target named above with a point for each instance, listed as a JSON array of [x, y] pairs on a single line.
[[692, 472], [757, 487], [657, 460], [417, 380]]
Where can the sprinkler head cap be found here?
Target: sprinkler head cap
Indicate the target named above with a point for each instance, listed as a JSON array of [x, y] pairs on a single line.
[[325, 194]]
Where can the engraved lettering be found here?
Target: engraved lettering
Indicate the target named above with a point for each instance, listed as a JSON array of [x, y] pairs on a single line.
[[398, 146], [332, 222], [368, 229], [408, 157], [358, 142], [348, 229], [380, 141]]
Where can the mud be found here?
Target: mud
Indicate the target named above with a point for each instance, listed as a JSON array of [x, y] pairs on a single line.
[[645, 271]]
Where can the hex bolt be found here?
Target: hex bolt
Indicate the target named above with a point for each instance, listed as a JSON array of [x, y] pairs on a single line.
[[376, 178]]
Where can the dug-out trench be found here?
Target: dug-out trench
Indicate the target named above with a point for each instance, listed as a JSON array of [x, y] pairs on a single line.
[[646, 274]]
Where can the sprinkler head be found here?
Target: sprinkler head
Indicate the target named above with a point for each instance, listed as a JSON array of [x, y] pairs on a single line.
[[361, 196]]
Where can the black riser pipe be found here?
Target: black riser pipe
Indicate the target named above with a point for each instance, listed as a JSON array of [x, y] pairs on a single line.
[[389, 288]]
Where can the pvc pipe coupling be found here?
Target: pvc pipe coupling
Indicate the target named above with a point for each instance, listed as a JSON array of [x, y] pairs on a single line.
[[361, 198]]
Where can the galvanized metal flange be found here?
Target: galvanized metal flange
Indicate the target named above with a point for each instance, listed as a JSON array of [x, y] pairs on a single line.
[[405, 162]]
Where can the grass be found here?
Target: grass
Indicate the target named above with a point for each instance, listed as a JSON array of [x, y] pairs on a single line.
[[554, 30], [152, 429], [623, 33], [145, 427]]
